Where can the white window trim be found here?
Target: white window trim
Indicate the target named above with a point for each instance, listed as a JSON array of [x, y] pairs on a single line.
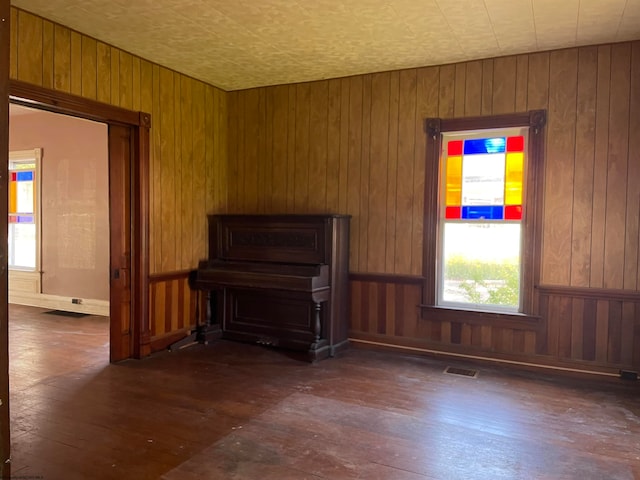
[[21, 279]]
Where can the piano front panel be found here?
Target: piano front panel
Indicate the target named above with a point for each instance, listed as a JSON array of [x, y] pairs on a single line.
[[278, 319], [289, 239]]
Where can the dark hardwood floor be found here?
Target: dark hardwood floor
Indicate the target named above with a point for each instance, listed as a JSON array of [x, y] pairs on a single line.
[[234, 411]]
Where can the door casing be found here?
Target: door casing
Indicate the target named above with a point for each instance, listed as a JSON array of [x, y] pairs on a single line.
[[128, 212]]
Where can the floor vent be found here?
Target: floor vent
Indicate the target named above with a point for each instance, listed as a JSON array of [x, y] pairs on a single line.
[[465, 372]]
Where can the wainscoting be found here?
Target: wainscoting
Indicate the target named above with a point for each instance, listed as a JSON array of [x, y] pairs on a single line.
[[577, 328], [173, 308]]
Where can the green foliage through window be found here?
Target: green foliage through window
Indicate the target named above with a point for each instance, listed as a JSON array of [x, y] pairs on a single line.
[[484, 282]]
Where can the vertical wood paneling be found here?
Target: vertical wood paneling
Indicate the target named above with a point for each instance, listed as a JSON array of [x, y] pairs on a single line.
[[354, 170], [29, 48], [599, 191], [615, 223], [614, 334], [156, 231], [504, 85], [125, 80], [365, 162], [343, 189], [167, 196], [89, 68], [13, 44], [576, 336], [558, 193], [198, 180], [280, 141], [633, 186], [76, 63], [48, 40], [446, 106], [104, 73], [583, 166], [333, 177], [301, 165], [115, 76], [473, 89], [487, 87], [602, 330], [459, 95], [405, 171], [392, 173], [522, 82], [377, 173], [318, 146], [185, 178], [62, 59], [427, 105]]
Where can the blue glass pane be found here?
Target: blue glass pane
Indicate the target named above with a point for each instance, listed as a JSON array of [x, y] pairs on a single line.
[[485, 145], [25, 219], [475, 212], [25, 176]]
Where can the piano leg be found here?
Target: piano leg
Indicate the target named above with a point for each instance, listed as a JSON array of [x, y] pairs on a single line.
[[318, 349], [210, 330]]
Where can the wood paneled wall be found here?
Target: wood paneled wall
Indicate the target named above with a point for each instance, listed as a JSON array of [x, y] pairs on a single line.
[[173, 308], [356, 145], [188, 132], [583, 328]]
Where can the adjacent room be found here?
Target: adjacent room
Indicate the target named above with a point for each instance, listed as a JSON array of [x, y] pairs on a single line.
[[321, 240]]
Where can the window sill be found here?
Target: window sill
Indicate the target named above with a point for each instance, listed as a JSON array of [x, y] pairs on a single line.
[[479, 317]]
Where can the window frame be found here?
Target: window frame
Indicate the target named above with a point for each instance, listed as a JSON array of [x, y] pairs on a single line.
[[535, 120], [33, 155]]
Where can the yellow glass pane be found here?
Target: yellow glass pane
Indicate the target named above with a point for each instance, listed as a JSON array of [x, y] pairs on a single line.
[[12, 197], [453, 179], [513, 179]]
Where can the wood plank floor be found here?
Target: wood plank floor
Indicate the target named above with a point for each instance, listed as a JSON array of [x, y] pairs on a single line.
[[234, 411]]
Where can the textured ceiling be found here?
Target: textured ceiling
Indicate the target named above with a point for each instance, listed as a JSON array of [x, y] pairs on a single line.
[[235, 44]]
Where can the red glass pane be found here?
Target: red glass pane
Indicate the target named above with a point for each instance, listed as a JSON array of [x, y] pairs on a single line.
[[13, 176], [454, 148], [515, 144], [513, 212], [452, 213]]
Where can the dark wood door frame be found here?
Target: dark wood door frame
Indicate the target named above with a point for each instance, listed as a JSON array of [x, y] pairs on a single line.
[[139, 124], [5, 466]]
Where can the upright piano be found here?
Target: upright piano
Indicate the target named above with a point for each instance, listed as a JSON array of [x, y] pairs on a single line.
[[279, 280]]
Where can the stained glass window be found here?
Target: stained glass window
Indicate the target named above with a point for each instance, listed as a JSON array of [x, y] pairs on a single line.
[[484, 178], [23, 232], [481, 205]]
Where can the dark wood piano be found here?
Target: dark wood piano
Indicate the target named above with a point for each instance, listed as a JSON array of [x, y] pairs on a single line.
[[279, 280]]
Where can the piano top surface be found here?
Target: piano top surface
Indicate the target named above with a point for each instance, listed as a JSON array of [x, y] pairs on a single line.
[[264, 275]]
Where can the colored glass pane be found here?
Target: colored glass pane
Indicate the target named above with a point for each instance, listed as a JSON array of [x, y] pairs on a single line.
[[452, 213], [453, 181], [24, 176], [13, 218], [485, 212], [12, 197], [454, 147], [515, 144], [13, 176], [25, 219], [484, 145], [513, 178], [513, 212]]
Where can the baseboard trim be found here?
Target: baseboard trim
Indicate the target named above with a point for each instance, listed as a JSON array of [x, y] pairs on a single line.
[[442, 353], [56, 302]]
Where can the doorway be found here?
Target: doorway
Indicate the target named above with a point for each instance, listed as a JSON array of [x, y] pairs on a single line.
[[128, 141]]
